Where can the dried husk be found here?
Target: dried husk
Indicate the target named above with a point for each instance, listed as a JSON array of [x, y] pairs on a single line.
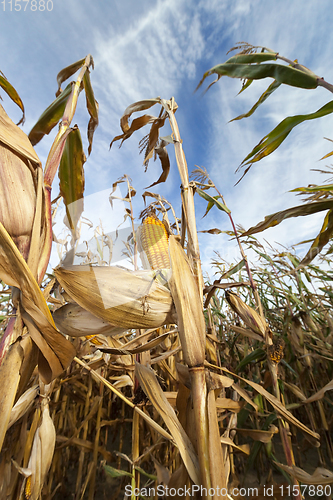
[[184, 290], [250, 317], [23, 405], [18, 162], [118, 296], [9, 379], [41, 453], [73, 320]]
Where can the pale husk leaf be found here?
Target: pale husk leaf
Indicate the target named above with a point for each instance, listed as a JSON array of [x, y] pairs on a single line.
[[42, 452], [23, 404], [118, 296], [73, 320]]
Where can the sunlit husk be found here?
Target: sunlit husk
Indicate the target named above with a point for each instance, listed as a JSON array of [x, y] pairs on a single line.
[[118, 296], [17, 188], [184, 290]]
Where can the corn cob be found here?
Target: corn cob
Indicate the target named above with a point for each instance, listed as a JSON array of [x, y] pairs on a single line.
[[153, 240]]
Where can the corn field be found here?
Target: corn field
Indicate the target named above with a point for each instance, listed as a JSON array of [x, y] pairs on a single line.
[[153, 382]]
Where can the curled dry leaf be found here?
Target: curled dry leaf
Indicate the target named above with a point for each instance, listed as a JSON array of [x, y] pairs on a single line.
[[320, 394], [257, 435], [320, 476], [153, 391]]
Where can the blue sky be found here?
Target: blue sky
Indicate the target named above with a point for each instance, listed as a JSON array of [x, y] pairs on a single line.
[[162, 48]]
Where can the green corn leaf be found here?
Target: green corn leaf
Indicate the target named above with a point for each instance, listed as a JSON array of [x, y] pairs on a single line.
[[92, 107], [300, 210], [111, 471], [233, 270], [321, 240], [245, 86], [252, 58], [282, 74], [272, 141], [313, 189], [254, 357], [50, 117], [273, 86], [71, 175], [212, 200], [144, 473], [12, 93]]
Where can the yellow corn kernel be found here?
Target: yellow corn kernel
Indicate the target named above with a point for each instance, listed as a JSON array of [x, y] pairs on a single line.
[[28, 488], [153, 240], [93, 339]]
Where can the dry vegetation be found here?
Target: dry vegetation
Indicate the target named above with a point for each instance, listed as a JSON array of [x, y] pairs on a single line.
[[113, 377]]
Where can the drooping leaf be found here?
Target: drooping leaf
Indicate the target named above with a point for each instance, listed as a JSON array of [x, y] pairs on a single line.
[[50, 117], [313, 189], [12, 93], [273, 140], [136, 124], [67, 72], [212, 200], [162, 153], [215, 230], [282, 74], [321, 240], [269, 91], [144, 473], [134, 108], [245, 86], [71, 175], [111, 471], [92, 106], [300, 210]]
